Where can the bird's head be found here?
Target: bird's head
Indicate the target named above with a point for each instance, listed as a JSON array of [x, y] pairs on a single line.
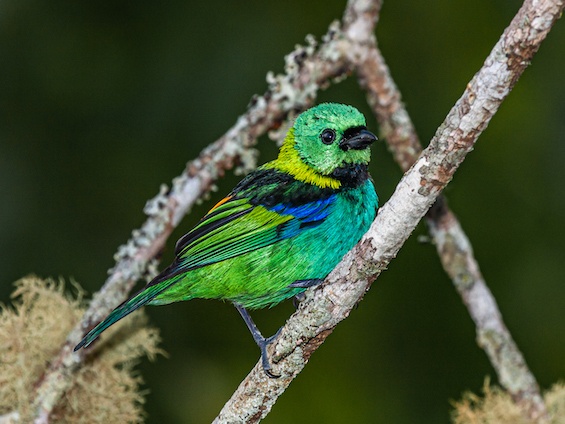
[[326, 142]]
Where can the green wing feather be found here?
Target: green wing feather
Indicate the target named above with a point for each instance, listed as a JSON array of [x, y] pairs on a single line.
[[233, 227]]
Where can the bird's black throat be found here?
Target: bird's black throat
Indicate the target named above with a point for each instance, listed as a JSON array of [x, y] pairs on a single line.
[[351, 175]]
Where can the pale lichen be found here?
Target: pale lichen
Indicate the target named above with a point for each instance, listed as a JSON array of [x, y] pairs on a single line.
[[497, 407], [32, 330]]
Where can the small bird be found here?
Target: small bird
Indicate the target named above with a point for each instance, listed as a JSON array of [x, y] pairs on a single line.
[[282, 229]]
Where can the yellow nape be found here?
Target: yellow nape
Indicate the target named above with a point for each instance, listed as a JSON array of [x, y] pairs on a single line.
[[289, 161]]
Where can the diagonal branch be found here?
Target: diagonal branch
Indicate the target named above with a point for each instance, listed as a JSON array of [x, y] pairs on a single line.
[[453, 246], [328, 304]]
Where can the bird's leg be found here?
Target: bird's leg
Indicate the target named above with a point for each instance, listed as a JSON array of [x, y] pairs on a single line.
[[261, 341]]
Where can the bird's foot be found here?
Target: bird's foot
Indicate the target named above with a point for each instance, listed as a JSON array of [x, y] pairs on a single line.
[[261, 341], [265, 356]]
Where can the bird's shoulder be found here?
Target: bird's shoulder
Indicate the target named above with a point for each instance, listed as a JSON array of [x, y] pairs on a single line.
[[269, 187]]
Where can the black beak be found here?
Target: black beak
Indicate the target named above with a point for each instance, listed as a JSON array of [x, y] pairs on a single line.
[[357, 139]]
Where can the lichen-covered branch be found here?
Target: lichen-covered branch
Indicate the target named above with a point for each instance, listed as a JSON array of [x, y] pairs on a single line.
[[328, 304], [383, 96], [456, 253], [503, 67], [454, 248]]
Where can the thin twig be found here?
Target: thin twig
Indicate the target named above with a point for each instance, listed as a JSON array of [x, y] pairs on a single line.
[[456, 253], [453, 246], [385, 100], [328, 304]]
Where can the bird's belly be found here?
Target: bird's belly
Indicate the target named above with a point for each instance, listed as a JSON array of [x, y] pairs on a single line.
[[261, 278]]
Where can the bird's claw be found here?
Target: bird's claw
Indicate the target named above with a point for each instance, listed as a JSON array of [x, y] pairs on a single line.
[[270, 374], [265, 357], [261, 341]]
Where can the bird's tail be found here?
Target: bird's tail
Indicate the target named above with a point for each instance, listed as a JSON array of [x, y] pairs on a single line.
[[136, 301]]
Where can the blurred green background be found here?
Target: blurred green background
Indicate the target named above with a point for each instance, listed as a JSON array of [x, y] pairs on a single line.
[[101, 102]]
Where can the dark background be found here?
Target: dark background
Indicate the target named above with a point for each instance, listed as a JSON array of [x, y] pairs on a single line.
[[101, 102]]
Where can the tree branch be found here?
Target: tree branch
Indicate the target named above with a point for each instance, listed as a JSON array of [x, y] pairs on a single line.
[[456, 253], [325, 306], [453, 246]]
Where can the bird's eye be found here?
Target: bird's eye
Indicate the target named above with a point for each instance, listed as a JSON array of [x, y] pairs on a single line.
[[327, 136]]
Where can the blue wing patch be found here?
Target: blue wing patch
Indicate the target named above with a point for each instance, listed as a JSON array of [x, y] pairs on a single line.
[[307, 212]]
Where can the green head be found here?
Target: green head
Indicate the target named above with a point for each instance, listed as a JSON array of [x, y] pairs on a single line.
[[326, 140]]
